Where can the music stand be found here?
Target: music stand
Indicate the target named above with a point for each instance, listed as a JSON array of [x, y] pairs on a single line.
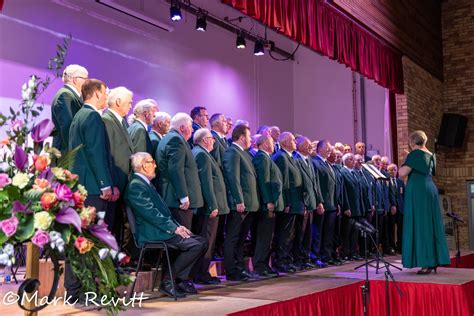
[[379, 177]]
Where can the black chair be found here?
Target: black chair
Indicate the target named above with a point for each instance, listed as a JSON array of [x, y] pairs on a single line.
[[149, 245]]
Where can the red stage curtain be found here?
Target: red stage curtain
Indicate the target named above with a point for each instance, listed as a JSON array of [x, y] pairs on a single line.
[[467, 262], [325, 30]]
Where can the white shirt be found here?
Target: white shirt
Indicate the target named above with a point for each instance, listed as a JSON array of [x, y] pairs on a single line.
[[74, 89], [143, 177], [289, 154], [92, 106]]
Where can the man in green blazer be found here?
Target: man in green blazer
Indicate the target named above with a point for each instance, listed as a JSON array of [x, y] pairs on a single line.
[[206, 219], [178, 176], [241, 180], [144, 112], [154, 222], [121, 148], [312, 200], [91, 163], [270, 185], [66, 103], [159, 128], [218, 124], [293, 200]]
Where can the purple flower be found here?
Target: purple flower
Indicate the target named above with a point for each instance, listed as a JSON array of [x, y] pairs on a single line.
[[21, 158], [18, 207], [42, 130], [8, 226], [40, 238], [4, 180], [63, 192], [69, 215], [102, 233]]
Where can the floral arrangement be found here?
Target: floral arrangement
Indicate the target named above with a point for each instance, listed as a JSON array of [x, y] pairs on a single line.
[[41, 201]]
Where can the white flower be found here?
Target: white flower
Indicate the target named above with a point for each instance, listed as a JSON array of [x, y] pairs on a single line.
[[113, 253], [21, 180], [103, 253], [54, 235], [9, 249], [121, 256], [43, 220], [5, 260], [60, 244], [101, 215]]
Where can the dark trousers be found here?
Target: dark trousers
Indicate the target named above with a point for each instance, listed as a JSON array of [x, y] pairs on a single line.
[[317, 233], [185, 252], [391, 221], [302, 240], [71, 282], [327, 239], [349, 234], [399, 221], [184, 217], [205, 227], [379, 221], [264, 236], [238, 226], [284, 234], [337, 242], [220, 237], [118, 209]]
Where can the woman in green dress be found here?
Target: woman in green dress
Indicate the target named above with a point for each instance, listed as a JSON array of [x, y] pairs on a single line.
[[424, 244]]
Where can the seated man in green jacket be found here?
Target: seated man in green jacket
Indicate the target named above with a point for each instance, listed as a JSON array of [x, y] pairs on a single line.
[[155, 223]]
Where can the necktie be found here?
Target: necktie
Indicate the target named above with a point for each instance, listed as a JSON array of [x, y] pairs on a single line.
[[124, 124]]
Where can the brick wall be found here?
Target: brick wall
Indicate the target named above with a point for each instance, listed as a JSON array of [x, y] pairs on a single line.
[[458, 97], [426, 98]]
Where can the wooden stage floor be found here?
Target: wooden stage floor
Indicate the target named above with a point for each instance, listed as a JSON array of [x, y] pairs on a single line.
[[231, 297]]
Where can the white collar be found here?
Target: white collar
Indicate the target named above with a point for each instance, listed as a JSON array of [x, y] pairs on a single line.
[[143, 177], [238, 146], [143, 123], [289, 154], [302, 156], [119, 118], [348, 168], [92, 106]]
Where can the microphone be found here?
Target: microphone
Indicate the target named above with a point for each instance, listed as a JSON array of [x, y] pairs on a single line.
[[361, 226], [369, 225], [455, 217]]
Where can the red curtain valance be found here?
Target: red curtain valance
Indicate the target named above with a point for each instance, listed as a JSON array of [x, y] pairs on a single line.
[[323, 29]]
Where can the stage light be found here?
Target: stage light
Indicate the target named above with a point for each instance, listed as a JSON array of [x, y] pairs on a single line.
[[240, 42], [201, 23], [175, 11], [259, 50]]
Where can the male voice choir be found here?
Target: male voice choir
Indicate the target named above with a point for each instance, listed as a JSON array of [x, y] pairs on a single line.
[[286, 199]]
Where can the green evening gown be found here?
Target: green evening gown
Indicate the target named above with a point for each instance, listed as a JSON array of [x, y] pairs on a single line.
[[424, 242]]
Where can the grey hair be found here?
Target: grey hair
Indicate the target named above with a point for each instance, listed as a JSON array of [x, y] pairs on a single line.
[[143, 106], [241, 122], [200, 134], [118, 93], [137, 160], [72, 71], [347, 156], [161, 117], [215, 118], [179, 119]]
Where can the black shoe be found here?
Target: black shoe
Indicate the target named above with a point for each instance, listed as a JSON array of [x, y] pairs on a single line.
[[238, 278], [209, 281], [167, 289], [310, 265], [271, 273], [261, 275], [295, 266], [187, 287], [357, 258], [333, 262], [284, 269], [320, 264], [218, 257], [246, 274]]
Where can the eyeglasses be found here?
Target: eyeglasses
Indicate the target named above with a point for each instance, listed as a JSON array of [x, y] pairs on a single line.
[[85, 78], [210, 137], [149, 161]]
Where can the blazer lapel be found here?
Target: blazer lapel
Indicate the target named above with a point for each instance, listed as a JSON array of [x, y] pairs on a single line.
[[121, 129]]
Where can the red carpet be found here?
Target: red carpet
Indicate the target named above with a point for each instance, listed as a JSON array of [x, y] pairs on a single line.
[[467, 262], [419, 299]]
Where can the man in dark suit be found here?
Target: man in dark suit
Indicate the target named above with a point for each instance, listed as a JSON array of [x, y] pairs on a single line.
[[206, 219], [144, 112], [121, 148], [66, 103], [397, 190], [219, 130], [353, 187], [200, 119], [154, 222], [275, 133], [159, 128], [312, 199], [178, 176], [270, 185], [241, 180], [91, 163], [293, 202], [323, 225]]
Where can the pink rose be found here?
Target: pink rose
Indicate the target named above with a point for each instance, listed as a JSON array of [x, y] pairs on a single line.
[[8, 226], [17, 125], [40, 238], [4, 180], [63, 192]]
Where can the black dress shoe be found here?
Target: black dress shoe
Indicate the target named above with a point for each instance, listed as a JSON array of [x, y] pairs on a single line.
[[284, 269], [187, 287], [167, 289], [310, 265], [209, 281], [320, 264], [296, 266], [271, 273], [333, 262], [246, 274], [239, 277], [357, 258]]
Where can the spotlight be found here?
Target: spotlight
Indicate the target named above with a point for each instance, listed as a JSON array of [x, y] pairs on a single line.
[[175, 11], [201, 23], [240, 42], [259, 50]]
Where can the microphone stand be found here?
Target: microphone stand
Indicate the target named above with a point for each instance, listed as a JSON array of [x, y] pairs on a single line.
[[456, 240], [366, 287]]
